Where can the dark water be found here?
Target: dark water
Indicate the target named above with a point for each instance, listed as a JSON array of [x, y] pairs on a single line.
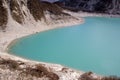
[[92, 46]]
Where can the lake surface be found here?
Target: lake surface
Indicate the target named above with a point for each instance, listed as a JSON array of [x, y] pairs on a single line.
[[92, 46]]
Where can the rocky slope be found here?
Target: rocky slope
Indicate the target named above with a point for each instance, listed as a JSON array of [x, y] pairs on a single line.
[[101, 6], [24, 11]]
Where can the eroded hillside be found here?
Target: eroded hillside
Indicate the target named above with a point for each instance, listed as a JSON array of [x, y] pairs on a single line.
[[23, 11]]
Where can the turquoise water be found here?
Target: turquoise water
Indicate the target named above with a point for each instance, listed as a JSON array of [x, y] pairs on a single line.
[[92, 46]]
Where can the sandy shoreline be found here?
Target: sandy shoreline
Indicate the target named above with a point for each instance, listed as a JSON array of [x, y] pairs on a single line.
[[10, 36]]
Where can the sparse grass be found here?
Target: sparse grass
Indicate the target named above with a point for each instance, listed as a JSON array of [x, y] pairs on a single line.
[[110, 78], [35, 9], [38, 8], [16, 11], [38, 71], [10, 64], [88, 76]]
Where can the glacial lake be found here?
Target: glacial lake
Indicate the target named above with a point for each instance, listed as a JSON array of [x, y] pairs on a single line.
[[92, 46]]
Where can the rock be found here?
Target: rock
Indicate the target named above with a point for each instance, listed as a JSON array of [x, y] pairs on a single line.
[[99, 6], [3, 15]]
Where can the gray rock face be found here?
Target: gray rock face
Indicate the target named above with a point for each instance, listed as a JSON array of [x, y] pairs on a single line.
[[102, 6]]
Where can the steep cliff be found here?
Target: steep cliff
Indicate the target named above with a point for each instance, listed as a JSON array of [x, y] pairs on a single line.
[[101, 6]]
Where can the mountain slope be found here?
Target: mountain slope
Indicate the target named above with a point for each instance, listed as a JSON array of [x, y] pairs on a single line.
[[102, 6], [26, 11]]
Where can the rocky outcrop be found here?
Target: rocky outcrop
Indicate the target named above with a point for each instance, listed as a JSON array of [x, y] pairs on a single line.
[[16, 11], [3, 15], [99, 6], [36, 9]]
